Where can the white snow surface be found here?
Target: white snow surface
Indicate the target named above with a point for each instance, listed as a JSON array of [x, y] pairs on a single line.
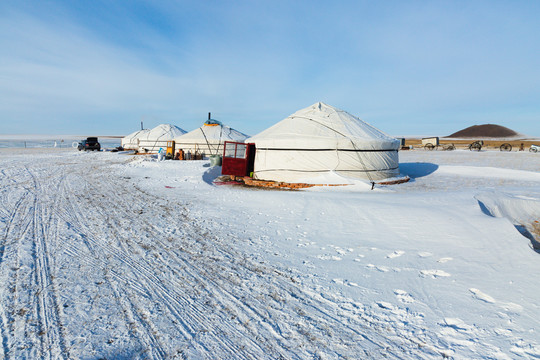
[[113, 256]]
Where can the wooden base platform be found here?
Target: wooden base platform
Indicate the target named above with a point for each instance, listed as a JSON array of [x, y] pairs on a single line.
[[246, 180]]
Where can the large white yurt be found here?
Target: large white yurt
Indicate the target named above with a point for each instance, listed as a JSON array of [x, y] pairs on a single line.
[[157, 138], [208, 139], [320, 140], [131, 141]]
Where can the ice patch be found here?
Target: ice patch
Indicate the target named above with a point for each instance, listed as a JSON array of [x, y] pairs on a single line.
[[424, 254]]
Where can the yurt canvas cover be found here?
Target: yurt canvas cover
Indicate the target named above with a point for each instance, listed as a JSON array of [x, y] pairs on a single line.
[[321, 139], [131, 141], [157, 138], [208, 139]]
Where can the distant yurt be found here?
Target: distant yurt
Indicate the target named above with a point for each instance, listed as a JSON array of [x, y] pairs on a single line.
[[131, 141], [208, 139], [157, 138], [320, 140]]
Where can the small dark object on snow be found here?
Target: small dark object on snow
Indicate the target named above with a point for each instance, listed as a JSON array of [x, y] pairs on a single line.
[[91, 143]]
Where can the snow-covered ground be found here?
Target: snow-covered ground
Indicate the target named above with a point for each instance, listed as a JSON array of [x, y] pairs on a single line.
[[105, 255]]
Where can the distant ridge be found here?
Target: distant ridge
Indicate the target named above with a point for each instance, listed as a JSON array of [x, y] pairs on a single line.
[[485, 131]]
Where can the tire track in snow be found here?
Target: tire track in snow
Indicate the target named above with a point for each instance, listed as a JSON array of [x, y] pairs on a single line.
[[27, 286], [66, 210], [16, 237], [311, 308], [318, 307], [238, 302], [15, 229], [51, 337], [130, 312], [201, 283], [321, 317], [144, 277], [37, 231], [200, 316], [173, 300], [252, 312], [266, 305], [73, 215]]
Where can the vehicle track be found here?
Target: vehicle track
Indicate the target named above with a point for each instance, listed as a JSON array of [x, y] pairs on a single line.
[[279, 283], [100, 258], [14, 231], [195, 307], [172, 300], [28, 298], [171, 279], [143, 275], [49, 313], [16, 235], [216, 285]]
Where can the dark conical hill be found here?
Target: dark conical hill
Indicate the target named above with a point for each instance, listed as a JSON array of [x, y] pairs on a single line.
[[486, 131]]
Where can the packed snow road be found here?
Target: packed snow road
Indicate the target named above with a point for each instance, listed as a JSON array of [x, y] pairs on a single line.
[[93, 266], [109, 256]]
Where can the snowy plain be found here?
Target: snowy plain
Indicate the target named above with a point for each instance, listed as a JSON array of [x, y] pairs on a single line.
[[111, 256]]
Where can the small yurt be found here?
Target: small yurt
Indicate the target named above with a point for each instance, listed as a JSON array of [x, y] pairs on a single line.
[[153, 140], [320, 140], [208, 139], [131, 141]]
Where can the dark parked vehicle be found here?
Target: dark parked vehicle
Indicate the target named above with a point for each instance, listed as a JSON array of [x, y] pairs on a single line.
[[90, 143]]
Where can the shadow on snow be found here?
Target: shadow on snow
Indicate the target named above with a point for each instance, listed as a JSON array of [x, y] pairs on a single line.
[[417, 169]]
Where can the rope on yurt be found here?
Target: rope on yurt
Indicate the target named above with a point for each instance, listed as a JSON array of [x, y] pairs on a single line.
[[220, 134], [210, 148], [164, 134], [352, 143]]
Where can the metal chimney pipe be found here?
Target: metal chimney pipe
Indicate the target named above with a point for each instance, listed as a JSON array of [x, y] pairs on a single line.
[[209, 116]]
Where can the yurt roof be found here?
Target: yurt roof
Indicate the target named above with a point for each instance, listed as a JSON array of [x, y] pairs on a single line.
[[212, 130], [164, 131], [323, 126], [136, 134]]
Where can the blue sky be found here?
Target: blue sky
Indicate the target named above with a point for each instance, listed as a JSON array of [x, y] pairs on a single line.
[[406, 67]]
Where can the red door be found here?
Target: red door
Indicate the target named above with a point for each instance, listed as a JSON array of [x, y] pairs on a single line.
[[238, 158]]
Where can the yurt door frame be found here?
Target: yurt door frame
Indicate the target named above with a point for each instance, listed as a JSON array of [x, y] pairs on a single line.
[[238, 158]]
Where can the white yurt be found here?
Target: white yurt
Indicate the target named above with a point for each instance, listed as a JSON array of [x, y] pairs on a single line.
[[208, 139], [320, 140], [131, 141], [153, 140]]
